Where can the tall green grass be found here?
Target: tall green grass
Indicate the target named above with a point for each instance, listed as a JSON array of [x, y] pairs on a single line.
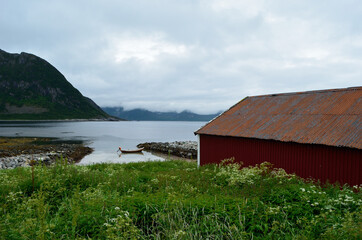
[[173, 200]]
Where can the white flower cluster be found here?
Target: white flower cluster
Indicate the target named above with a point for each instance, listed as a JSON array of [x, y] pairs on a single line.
[[273, 210], [14, 196], [155, 181], [316, 197]]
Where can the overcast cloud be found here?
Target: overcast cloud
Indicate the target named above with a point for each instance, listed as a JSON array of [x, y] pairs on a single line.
[[199, 55]]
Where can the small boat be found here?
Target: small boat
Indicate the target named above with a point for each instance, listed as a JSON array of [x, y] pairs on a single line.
[[130, 151]]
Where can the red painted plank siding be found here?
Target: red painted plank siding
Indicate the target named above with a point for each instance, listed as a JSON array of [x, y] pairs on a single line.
[[306, 160]]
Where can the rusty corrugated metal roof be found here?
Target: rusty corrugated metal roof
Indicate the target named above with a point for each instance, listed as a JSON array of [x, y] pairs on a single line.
[[329, 117]]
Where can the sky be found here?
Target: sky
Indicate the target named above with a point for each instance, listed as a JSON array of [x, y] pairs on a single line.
[[198, 55]]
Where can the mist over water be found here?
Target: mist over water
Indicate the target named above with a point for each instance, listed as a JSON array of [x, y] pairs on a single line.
[[106, 137]]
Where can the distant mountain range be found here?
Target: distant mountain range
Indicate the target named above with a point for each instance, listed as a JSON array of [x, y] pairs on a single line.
[[32, 89], [146, 115]]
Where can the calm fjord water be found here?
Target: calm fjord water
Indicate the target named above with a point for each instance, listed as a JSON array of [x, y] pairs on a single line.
[[106, 137]]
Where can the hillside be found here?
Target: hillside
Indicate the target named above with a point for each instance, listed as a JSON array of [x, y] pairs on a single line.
[[146, 115], [32, 89]]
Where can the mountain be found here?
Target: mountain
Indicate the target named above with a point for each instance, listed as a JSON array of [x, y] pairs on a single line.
[[32, 89], [145, 115]]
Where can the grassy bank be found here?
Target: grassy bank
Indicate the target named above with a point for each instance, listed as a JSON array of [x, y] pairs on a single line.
[[172, 200]]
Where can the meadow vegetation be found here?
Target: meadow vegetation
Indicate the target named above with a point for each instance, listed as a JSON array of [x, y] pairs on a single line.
[[173, 200]]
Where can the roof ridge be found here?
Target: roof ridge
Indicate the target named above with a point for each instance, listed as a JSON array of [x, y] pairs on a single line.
[[358, 88]]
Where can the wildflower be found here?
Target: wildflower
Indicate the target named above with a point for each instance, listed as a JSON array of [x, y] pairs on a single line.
[[303, 190], [180, 233], [155, 180], [116, 208]]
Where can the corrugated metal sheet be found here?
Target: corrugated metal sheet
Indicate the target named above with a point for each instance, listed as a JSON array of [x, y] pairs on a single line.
[[306, 160], [328, 117]]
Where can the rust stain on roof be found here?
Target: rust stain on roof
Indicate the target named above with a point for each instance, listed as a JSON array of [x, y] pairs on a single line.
[[329, 117]]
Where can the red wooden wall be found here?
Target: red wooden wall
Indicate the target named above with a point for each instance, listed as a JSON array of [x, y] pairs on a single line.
[[306, 160]]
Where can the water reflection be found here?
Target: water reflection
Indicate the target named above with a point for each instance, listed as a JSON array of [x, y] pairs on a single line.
[[106, 137]]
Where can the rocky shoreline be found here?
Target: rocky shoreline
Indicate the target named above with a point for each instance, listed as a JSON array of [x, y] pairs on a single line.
[[19, 152], [184, 149]]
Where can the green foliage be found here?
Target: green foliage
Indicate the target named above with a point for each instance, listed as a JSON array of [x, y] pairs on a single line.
[[173, 200]]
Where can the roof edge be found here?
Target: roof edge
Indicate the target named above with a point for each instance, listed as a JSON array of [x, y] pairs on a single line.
[[278, 140], [196, 132]]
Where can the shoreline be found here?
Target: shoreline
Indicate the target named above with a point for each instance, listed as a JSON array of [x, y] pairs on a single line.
[[63, 120], [21, 151], [183, 149]]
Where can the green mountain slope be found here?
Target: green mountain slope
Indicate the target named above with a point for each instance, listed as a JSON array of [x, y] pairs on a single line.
[[31, 88]]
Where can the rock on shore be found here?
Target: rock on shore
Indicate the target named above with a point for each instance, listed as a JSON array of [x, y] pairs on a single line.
[[25, 159], [18, 152], [184, 149]]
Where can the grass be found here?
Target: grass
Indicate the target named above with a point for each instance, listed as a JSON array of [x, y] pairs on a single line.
[[173, 200]]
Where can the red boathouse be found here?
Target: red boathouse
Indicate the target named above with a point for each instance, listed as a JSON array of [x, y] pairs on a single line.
[[314, 134]]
